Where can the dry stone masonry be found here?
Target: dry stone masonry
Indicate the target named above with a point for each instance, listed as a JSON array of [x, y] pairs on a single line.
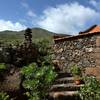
[[83, 51]]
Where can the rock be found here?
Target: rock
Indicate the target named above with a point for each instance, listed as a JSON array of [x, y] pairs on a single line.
[[78, 51], [11, 81]]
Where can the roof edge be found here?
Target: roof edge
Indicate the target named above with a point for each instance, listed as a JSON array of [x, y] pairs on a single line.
[[86, 31], [74, 37]]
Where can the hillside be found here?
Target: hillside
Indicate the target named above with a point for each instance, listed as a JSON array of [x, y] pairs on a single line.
[[37, 33]]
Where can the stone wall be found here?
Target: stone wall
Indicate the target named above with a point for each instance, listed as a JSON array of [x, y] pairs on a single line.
[[82, 51]]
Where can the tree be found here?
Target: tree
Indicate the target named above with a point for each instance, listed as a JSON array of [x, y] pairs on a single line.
[[28, 35]]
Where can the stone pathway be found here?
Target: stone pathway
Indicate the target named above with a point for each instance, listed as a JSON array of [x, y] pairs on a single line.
[[64, 88]]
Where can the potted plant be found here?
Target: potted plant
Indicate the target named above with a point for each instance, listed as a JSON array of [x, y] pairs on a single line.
[[76, 72]]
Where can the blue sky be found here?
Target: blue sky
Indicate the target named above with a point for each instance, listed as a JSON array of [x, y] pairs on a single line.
[[60, 16]]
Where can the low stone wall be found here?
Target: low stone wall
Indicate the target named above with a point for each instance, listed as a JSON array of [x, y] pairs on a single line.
[[83, 51]]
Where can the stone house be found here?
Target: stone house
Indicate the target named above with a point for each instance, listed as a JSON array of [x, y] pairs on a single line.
[[82, 49]]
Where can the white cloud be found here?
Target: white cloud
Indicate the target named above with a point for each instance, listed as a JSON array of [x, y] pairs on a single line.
[[30, 13], [67, 18], [95, 3], [8, 25], [25, 5]]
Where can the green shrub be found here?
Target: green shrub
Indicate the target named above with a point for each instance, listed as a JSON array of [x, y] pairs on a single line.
[[4, 96], [2, 66], [43, 47], [91, 89], [75, 70], [38, 80]]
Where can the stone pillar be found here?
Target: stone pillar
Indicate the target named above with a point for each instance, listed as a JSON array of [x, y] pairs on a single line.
[[97, 51], [28, 37]]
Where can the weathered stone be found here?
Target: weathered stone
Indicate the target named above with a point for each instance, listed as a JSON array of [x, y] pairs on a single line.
[[62, 58], [12, 81], [59, 50], [79, 51], [98, 41], [97, 49], [95, 71], [98, 62], [89, 49], [95, 55]]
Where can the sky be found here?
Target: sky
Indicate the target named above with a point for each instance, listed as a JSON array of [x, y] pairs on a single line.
[[59, 16]]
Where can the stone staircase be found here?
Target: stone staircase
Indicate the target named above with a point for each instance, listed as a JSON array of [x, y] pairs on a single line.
[[64, 88]]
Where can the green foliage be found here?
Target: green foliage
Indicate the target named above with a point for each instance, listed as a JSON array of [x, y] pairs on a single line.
[[2, 66], [45, 51], [75, 70], [91, 89], [43, 47], [4, 96], [38, 80]]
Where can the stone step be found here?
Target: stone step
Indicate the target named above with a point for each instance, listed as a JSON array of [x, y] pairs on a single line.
[[64, 80], [64, 95], [63, 74], [66, 87]]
